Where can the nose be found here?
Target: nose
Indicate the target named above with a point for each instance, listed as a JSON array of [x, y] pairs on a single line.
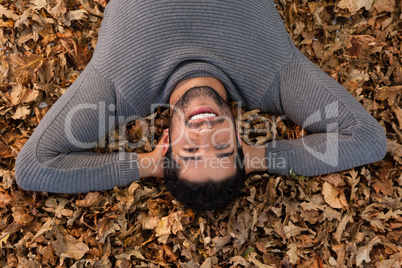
[[203, 134], [205, 127]]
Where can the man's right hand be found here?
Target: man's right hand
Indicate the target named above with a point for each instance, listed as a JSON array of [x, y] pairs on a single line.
[[151, 164]]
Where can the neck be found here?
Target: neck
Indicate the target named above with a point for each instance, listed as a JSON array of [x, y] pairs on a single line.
[[183, 86]]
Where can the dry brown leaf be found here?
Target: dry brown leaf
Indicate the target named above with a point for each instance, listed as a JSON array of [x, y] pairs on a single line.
[[252, 258], [314, 262], [21, 112], [5, 151], [5, 198], [8, 13], [339, 249], [91, 199], [353, 181], [170, 224], [239, 227], [394, 261], [360, 45], [355, 79], [342, 226], [293, 253], [333, 197], [335, 179], [21, 216], [77, 14], [384, 5], [236, 260], [355, 5], [149, 222], [391, 94], [47, 226], [398, 113], [136, 253], [385, 186], [58, 9], [395, 149], [292, 230], [68, 247], [363, 253], [24, 68], [21, 94]]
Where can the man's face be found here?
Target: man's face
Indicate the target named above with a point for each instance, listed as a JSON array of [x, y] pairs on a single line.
[[203, 136]]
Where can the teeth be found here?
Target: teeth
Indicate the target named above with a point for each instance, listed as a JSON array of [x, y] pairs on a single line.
[[205, 115]]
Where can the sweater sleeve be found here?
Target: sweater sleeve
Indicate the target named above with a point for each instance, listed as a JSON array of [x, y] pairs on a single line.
[[56, 158], [342, 133]]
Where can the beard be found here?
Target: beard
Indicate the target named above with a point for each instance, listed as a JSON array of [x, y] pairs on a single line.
[[182, 105]]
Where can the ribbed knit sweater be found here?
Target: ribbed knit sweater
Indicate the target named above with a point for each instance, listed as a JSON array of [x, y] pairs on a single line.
[[146, 47]]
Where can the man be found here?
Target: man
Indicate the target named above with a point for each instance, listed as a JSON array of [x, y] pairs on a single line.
[[196, 56]]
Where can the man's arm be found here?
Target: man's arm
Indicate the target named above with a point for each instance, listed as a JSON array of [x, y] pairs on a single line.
[[56, 158], [344, 134]]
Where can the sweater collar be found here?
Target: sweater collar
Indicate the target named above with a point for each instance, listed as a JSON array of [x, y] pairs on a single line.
[[192, 69]]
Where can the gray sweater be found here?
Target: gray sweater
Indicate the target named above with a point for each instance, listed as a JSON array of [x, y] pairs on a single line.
[[146, 47]]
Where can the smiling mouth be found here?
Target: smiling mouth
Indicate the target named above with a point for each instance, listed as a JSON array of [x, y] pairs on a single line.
[[203, 113]]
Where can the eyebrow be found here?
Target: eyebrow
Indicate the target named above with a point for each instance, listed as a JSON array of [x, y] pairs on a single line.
[[221, 155]]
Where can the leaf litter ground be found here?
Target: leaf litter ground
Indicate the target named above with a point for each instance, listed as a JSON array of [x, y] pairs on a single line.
[[347, 219]]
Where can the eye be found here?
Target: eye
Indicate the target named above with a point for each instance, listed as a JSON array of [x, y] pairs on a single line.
[[190, 150], [223, 146]]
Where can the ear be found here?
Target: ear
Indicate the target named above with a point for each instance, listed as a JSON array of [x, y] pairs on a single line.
[[165, 139]]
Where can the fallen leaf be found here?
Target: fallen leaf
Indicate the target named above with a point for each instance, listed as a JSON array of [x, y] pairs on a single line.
[[355, 5], [355, 79], [391, 94], [238, 227], [393, 261], [339, 249], [21, 216], [5, 151], [58, 9], [334, 197], [292, 230], [395, 149], [24, 68], [335, 179], [8, 13], [384, 186], [384, 5], [149, 222], [363, 253], [170, 224], [252, 258], [91, 199], [76, 14], [47, 226], [21, 112], [136, 253], [342, 226], [21, 94], [5, 198], [314, 262], [68, 247], [398, 113]]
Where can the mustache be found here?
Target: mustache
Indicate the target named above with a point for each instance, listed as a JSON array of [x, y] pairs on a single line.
[[209, 123]]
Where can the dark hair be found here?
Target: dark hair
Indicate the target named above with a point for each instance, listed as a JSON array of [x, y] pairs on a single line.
[[208, 195]]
